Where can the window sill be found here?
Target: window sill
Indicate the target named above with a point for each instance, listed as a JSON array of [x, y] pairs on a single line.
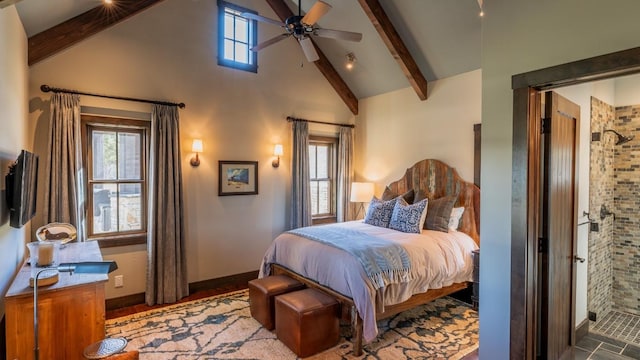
[[324, 220], [107, 242]]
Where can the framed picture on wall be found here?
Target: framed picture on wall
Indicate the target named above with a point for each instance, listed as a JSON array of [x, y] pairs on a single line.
[[237, 178]]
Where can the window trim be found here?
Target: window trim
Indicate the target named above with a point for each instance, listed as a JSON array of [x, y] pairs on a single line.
[[333, 170], [253, 38], [89, 122]]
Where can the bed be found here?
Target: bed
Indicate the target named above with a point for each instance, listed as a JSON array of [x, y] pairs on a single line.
[[441, 262]]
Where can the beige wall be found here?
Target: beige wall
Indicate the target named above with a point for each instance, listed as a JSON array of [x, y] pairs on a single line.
[[238, 115], [520, 36], [627, 91], [13, 136], [396, 130]]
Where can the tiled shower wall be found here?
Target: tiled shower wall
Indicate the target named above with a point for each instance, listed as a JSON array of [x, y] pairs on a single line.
[[626, 233], [601, 191]]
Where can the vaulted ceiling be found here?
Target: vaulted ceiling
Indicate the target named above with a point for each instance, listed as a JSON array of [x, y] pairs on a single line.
[[405, 42]]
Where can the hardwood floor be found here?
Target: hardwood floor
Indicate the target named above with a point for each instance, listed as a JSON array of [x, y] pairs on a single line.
[[195, 296], [203, 294]]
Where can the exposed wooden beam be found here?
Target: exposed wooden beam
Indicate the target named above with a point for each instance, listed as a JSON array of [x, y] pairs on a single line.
[[396, 46], [283, 12], [72, 31]]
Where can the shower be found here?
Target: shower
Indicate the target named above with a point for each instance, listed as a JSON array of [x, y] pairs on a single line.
[[621, 138], [613, 299]]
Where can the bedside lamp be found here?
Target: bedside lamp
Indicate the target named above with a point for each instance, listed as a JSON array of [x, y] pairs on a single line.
[[88, 267], [196, 147], [361, 192]]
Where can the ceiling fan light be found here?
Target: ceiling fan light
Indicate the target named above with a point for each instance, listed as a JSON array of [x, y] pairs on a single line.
[[309, 49]]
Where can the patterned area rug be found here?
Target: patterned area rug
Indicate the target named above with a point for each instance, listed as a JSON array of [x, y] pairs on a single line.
[[221, 327]]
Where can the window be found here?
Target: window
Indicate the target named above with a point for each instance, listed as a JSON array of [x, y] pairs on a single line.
[[115, 159], [236, 36], [322, 170]]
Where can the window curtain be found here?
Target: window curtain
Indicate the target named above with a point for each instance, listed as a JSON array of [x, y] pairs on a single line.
[[300, 184], [63, 196], [166, 267], [345, 173]]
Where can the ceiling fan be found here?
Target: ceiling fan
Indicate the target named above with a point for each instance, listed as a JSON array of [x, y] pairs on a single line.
[[302, 27]]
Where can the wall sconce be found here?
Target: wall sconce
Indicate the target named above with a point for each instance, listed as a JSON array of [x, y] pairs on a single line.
[[277, 151], [361, 192], [351, 61], [196, 147]]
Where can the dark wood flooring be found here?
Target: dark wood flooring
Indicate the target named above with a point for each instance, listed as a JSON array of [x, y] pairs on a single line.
[[203, 294], [110, 314]]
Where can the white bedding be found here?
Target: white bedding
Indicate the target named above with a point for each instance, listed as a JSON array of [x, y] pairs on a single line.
[[437, 260]]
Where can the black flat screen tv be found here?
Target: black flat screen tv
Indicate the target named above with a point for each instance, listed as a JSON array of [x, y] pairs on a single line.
[[21, 188]]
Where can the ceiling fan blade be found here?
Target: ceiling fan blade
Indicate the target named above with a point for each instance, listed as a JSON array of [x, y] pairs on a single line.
[[309, 50], [318, 10], [271, 41], [338, 34], [252, 16]]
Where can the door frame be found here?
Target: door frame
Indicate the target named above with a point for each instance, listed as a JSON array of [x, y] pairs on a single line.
[[526, 185]]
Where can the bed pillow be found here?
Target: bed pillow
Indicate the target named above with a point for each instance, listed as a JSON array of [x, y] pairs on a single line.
[[456, 215], [439, 213], [388, 195], [408, 218], [419, 196], [379, 212]]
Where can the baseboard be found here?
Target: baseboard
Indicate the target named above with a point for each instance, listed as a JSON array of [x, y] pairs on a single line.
[[582, 330], [124, 301], [211, 284]]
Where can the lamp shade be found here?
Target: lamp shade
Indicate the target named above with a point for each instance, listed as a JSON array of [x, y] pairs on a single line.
[[277, 150], [361, 191], [197, 146]]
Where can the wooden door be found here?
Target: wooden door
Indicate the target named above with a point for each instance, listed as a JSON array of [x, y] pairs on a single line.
[[558, 226]]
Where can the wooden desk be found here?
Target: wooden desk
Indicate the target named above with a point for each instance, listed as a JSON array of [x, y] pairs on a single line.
[[71, 312]]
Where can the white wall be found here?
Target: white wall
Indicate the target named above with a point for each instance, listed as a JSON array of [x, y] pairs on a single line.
[[396, 130], [169, 52], [13, 136], [627, 91], [520, 36]]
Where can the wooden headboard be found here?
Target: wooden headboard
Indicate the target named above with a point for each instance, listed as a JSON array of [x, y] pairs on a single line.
[[438, 179]]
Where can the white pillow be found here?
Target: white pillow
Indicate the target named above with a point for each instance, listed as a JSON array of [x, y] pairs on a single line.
[[456, 215]]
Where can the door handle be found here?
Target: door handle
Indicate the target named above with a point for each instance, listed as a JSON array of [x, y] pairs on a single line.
[[578, 258]]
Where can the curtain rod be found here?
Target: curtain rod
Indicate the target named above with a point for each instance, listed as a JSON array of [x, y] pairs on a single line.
[[290, 119], [47, 88]]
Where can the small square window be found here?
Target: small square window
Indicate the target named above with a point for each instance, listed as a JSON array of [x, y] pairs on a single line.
[[236, 36]]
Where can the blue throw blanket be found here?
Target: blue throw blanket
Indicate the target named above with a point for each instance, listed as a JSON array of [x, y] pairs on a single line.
[[383, 261]]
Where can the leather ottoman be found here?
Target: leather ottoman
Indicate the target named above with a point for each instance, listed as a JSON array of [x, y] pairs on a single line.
[[261, 296], [307, 321]]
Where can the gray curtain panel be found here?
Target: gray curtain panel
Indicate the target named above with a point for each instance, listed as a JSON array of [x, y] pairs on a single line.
[[63, 198], [167, 267], [345, 173], [300, 187]]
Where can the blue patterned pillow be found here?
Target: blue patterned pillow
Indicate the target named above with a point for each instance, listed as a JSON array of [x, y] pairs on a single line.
[[379, 212], [408, 218]]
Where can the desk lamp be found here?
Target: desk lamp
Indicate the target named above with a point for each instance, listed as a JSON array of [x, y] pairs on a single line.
[[86, 267]]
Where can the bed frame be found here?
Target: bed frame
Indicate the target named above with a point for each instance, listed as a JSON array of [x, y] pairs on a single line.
[[437, 179]]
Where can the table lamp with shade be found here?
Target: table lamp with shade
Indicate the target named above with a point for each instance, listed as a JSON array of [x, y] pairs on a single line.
[[361, 192]]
